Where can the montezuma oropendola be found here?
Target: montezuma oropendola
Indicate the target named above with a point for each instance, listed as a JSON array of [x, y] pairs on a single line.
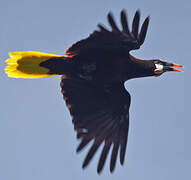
[[94, 72]]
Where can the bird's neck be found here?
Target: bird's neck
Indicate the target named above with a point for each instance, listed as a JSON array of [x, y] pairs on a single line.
[[140, 68]]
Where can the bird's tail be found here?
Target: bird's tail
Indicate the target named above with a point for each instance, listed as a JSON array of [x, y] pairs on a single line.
[[34, 65]]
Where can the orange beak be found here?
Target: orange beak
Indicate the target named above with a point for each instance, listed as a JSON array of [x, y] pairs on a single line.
[[177, 65], [168, 68], [177, 70]]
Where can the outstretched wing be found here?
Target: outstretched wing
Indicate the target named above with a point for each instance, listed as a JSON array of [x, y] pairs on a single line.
[[100, 113], [115, 39]]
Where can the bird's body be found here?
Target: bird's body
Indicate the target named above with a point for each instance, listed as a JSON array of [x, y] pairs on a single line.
[[94, 71], [101, 68]]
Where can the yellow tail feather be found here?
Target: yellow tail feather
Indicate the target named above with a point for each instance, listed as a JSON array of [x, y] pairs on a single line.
[[27, 64]]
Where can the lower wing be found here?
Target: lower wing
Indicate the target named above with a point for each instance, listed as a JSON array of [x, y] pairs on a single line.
[[100, 113]]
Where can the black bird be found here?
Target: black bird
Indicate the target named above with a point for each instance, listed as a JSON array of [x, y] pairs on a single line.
[[94, 72]]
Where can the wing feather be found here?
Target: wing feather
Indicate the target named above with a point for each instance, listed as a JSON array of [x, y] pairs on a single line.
[[124, 22], [135, 25], [103, 156], [143, 32], [101, 115], [112, 22], [123, 143], [114, 40], [114, 156], [102, 28], [91, 152], [83, 143]]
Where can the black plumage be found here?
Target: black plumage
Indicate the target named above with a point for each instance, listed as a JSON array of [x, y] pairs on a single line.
[[100, 113], [94, 89]]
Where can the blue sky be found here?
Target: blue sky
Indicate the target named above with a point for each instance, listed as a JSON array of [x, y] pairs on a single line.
[[36, 133]]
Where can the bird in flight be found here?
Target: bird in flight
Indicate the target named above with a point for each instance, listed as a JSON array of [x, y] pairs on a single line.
[[94, 71]]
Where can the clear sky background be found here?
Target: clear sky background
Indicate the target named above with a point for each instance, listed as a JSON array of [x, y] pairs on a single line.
[[37, 141]]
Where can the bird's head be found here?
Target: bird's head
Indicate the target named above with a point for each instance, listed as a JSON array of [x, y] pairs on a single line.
[[162, 66]]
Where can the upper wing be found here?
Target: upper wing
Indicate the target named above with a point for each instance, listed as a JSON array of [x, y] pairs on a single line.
[[100, 113], [115, 39]]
